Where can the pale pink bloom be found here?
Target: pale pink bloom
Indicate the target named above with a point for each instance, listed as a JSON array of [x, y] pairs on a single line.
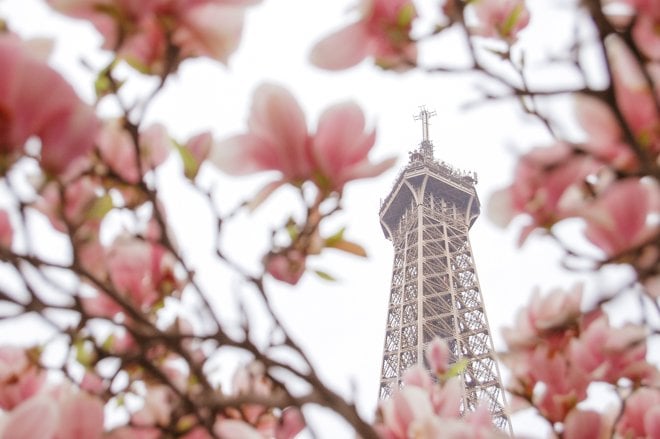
[[278, 140], [74, 208], [211, 29], [142, 271], [291, 423], [341, 145], [621, 218], [382, 31], [288, 266], [411, 405], [646, 34], [80, 416], [608, 354], [36, 101], [20, 378], [145, 32], [641, 415], [417, 376], [6, 230], [552, 312], [233, 429], [634, 96], [438, 355], [157, 408], [117, 150], [35, 418], [605, 137], [500, 18], [542, 179], [586, 424]]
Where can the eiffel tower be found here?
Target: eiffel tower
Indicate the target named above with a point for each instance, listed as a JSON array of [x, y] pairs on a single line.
[[435, 290]]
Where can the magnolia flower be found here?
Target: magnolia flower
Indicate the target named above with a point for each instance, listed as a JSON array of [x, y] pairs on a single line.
[[20, 379], [145, 32], [622, 217], [37, 101], [382, 31], [500, 18], [641, 415], [278, 140]]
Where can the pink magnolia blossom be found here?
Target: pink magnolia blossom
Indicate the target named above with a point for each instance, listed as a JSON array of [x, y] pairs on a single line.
[[142, 271], [36, 101], [608, 354], [145, 32], [382, 31], [586, 424], [500, 18], [622, 216], [438, 355], [634, 96], [288, 266], [542, 181], [543, 316], [117, 150], [278, 140], [20, 378], [80, 416], [35, 418], [605, 137], [641, 415], [6, 230]]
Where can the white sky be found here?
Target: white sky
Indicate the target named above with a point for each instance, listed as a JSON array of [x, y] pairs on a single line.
[[342, 324]]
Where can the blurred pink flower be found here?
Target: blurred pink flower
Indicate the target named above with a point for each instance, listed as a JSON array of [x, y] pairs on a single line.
[[438, 355], [543, 316], [20, 379], [36, 101], [287, 266], [542, 179], [500, 18], [278, 140], [80, 416], [155, 35], [622, 217], [36, 418], [586, 424], [117, 149], [382, 31], [605, 137], [634, 96], [641, 415], [608, 354], [142, 271]]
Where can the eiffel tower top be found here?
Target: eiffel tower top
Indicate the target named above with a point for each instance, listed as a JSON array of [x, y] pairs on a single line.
[[426, 146]]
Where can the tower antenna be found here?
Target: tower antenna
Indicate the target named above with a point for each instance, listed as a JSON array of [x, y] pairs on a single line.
[[424, 115]]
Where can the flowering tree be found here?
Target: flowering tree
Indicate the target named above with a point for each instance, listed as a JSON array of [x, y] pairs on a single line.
[[126, 359]]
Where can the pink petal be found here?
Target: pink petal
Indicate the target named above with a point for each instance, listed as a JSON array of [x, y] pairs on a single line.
[[245, 154], [231, 429], [342, 49], [35, 418], [212, 30], [277, 118], [6, 230], [81, 417]]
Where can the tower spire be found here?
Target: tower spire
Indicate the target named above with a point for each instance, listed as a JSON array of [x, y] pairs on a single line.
[[426, 146]]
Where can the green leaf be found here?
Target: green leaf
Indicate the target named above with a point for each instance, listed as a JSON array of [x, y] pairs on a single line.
[[406, 15], [100, 207], [325, 276], [190, 164], [455, 369], [511, 20], [331, 240]]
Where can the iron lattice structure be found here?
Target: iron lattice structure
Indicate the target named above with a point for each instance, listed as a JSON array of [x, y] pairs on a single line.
[[435, 290]]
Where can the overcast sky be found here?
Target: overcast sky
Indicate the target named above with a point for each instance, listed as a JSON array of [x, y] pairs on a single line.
[[341, 324]]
